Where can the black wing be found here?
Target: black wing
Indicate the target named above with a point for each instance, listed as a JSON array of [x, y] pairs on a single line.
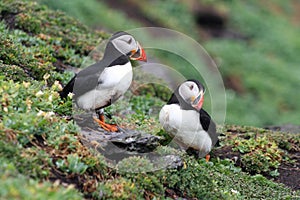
[[84, 81], [87, 79], [209, 125]]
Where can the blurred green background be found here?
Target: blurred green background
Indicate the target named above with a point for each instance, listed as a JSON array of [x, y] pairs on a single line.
[[256, 45]]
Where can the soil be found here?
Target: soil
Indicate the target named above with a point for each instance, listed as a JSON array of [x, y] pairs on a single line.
[[290, 173]]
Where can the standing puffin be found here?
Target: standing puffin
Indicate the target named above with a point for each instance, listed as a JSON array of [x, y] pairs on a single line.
[[184, 119], [102, 83]]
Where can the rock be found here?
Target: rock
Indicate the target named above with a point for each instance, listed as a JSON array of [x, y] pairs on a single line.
[[116, 146], [135, 141]]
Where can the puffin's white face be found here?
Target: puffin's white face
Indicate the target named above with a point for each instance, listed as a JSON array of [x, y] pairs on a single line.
[[127, 45], [190, 92]]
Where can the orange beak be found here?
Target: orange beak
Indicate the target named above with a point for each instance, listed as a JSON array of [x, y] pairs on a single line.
[[143, 56], [139, 55], [199, 105], [198, 102]]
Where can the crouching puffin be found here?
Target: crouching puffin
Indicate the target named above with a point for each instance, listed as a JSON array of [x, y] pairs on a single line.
[[184, 119], [102, 83]]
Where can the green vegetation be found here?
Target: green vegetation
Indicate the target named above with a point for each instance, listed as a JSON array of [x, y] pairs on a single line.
[[259, 155], [42, 151], [228, 182], [11, 180], [260, 151]]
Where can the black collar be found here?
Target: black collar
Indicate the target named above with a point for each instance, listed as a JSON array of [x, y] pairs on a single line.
[[113, 57], [177, 99]]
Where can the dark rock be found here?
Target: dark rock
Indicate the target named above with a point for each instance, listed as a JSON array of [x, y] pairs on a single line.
[[135, 141], [116, 146]]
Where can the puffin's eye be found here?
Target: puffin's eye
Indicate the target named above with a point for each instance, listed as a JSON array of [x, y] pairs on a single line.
[[129, 41], [191, 87]]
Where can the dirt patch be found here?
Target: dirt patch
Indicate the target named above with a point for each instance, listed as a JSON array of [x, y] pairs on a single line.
[[60, 66], [235, 83], [214, 23], [290, 173], [296, 13], [174, 194], [9, 18]]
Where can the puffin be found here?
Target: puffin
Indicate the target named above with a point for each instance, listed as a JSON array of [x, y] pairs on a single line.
[[184, 119], [104, 82]]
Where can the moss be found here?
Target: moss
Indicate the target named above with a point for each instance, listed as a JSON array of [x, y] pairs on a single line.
[[13, 72], [40, 144], [32, 38], [20, 158], [11, 180], [259, 150], [118, 189], [220, 179]]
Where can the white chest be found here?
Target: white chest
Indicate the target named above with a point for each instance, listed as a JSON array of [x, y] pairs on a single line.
[[113, 83], [185, 127]]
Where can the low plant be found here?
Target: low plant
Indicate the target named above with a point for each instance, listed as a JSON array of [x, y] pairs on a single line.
[[259, 155], [119, 188]]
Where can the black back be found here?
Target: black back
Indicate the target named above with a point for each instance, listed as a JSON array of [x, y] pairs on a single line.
[[209, 126]]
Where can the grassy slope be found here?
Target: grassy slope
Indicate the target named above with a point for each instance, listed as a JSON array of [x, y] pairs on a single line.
[[41, 150], [265, 65]]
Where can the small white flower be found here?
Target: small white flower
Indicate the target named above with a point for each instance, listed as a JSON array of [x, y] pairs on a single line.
[[26, 84], [28, 103], [50, 98], [39, 93], [234, 191], [57, 85], [70, 95], [49, 115], [46, 76], [40, 113], [5, 109]]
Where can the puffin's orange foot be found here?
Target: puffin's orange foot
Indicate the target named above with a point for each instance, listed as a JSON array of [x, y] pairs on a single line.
[[107, 127], [207, 157]]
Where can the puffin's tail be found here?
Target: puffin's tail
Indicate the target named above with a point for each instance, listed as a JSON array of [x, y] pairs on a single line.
[[67, 89]]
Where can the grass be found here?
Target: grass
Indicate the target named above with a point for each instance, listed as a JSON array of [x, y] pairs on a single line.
[[42, 151], [260, 151], [11, 180]]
